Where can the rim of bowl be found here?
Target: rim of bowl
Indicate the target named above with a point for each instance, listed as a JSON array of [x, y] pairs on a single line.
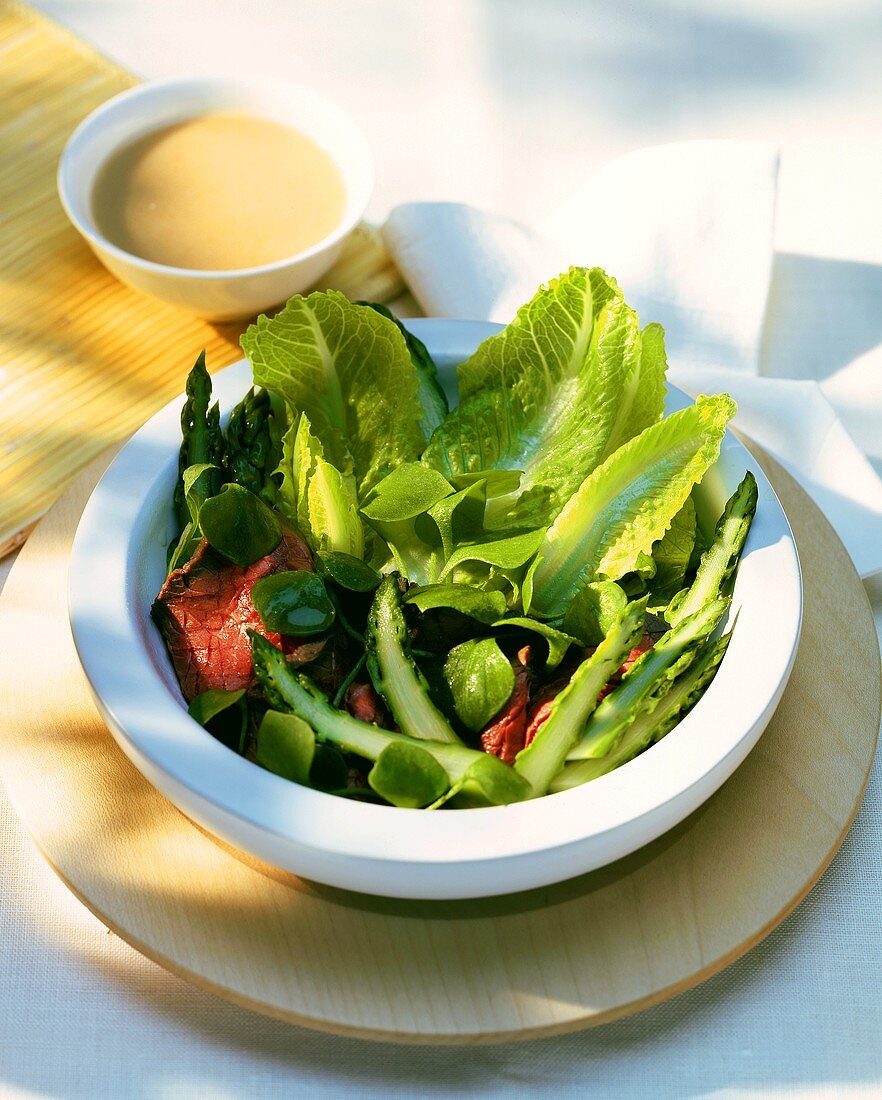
[[351, 829], [87, 228]]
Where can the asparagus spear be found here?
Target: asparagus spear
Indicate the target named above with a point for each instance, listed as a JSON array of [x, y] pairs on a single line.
[[671, 653], [406, 772], [250, 444], [652, 723], [393, 671], [718, 562], [202, 442], [543, 759]]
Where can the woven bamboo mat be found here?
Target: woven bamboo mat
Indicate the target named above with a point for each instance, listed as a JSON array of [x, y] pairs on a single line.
[[83, 359]]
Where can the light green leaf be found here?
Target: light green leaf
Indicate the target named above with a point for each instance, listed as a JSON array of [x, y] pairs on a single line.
[[671, 556], [349, 369], [286, 746], [626, 505], [510, 553], [594, 610], [558, 641], [319, 499], [553, 394], [486, 607]]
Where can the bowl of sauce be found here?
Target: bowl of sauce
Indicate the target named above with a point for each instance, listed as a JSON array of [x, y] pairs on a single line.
[[222, 196]]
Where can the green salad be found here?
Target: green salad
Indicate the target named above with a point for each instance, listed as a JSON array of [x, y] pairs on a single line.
[[378, 596]]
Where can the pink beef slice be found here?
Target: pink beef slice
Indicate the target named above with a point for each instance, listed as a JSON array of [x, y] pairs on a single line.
[[540, 708], [363, 703], [204, 612], [504, 736]]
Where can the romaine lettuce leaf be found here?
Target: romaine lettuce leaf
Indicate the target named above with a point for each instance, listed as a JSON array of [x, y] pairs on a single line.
[[553, 395], [349, 369], [318, 498], [625, 505], [432, 397], [671, 556]]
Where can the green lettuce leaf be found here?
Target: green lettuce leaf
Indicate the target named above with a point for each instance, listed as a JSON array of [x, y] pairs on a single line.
[[315, 496], [625, 505], [553, 395], [432, 397], [349, 370], [671, 556]]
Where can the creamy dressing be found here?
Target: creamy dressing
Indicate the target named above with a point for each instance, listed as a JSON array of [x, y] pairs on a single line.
[[219, 192]]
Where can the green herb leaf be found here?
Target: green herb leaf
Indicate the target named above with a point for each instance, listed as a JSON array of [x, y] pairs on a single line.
[[286, 746], [406, 775], [594, 611], [558, 641], [224, 714], [294, 602], [347, 571], [486, 607], [481, 681], [240, 526]]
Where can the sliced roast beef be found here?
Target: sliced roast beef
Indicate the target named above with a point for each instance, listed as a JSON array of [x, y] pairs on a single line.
[[363, 703], [540, 706], [504, 736], [204, 612]]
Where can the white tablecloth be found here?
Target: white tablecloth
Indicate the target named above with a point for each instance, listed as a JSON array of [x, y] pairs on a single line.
[[507, 105]]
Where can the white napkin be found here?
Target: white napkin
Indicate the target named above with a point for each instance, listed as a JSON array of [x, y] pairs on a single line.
[[687, 229]]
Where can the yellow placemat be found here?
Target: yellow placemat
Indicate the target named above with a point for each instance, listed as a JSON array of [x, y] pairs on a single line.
[[83, 359]]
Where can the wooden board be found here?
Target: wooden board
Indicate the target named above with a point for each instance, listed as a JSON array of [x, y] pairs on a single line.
[[84, 360], [551, 960]]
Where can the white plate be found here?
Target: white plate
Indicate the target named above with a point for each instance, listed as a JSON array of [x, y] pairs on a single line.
[[118, 565]]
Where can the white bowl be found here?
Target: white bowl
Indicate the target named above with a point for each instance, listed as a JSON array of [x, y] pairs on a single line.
[[118, 565], [217, 295]]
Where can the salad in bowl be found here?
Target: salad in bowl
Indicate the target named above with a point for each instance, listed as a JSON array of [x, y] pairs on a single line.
[[389, 600]]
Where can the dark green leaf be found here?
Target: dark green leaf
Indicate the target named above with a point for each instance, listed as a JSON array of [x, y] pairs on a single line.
[[329, 770], [239, 525], [294, 602], [481, 680], [224, 714], [347, 571]]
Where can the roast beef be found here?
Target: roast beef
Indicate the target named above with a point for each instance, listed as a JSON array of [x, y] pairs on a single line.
[[204, 612], [363, 703], [540, 706], [504, 736]]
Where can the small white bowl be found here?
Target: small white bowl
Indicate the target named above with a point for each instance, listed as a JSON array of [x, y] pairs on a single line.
[[216, 295], [118, 565]]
